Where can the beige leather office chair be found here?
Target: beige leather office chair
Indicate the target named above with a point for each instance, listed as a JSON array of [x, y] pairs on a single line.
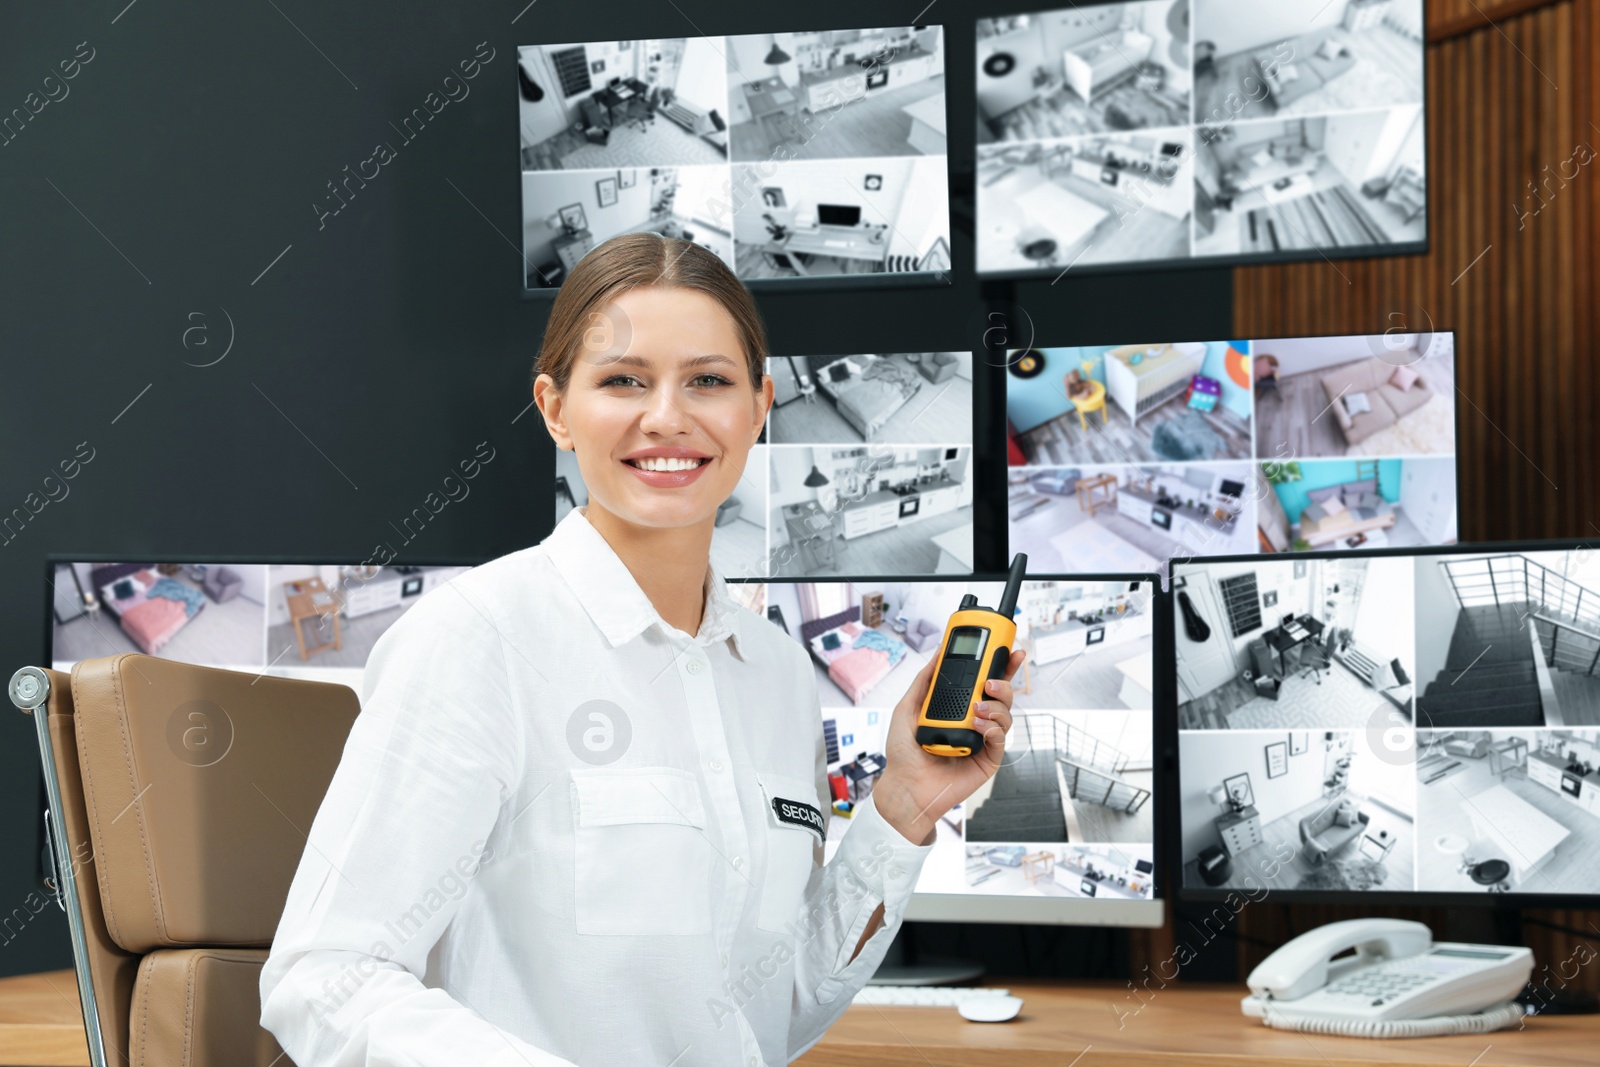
[[179, 799]]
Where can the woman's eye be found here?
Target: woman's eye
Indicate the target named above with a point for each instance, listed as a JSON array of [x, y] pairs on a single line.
[[713, 380]]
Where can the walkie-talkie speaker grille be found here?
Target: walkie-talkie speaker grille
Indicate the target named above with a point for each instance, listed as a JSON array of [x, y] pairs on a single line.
[[948, 704]]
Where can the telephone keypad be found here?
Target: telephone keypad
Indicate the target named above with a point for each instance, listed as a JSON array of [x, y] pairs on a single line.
[[1382, 983]]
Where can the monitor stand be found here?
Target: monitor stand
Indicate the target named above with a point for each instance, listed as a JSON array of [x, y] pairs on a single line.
[[903, 965]]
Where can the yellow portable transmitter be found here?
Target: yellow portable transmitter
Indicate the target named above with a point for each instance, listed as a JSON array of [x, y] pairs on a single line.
[[977, 647]]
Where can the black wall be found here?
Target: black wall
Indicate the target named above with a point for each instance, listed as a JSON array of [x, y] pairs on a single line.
[[141, 209]]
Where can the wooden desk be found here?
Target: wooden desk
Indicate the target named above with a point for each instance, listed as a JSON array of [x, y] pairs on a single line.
[[1105, 485], [40, 1022], [1104, 1024]]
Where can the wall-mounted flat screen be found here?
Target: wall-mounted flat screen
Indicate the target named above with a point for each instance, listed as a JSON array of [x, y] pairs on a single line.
[[1166, 132], [816, 155], [1124, 456]]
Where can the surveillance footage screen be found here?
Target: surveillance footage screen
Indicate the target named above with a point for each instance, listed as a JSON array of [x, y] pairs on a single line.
[[1069, 814], [817, 154], [1125, 456], [1424, 722], [1174, 130], [310, 621]]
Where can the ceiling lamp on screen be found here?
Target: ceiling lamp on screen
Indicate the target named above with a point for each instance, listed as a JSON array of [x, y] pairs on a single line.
[[1171, 131], [801, 159]]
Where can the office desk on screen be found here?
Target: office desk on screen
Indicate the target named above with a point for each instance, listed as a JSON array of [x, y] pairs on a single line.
[[869, 243], [1103, 1024]]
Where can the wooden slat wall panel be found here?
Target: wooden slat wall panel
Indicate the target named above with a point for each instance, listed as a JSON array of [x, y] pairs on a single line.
[[1512, 225], [1505, 102], [1451, 18]]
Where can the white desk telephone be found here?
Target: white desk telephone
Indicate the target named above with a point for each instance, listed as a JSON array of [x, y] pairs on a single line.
[[1399, 982]]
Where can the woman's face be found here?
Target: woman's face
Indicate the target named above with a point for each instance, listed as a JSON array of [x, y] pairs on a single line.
[[659, 408]]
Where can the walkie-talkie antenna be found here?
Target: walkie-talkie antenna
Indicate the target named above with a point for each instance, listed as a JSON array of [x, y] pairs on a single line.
[[1008, 600]]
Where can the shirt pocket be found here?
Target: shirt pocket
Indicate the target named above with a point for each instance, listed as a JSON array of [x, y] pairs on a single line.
[[640, 858], [789, 849]]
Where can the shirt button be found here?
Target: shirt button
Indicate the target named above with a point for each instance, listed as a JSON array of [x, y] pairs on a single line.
[[716, 765], [724, 959], [755, 1062], [694, 666], [895, 872], [738, 862]]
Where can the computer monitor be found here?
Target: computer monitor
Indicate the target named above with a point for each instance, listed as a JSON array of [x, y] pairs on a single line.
[[1232, 131], [839, 214], [815, 128], [1065, 831], [1435, 738], [1129, 455], [1073, 805]]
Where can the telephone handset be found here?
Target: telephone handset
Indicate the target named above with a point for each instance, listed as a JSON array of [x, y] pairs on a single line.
[[1398, 983]]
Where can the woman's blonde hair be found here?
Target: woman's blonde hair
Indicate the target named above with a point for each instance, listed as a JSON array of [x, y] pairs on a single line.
[[641, 261]]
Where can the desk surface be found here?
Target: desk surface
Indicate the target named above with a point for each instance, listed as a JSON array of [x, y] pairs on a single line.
[[846, 242], [1107, 1025], [1102, 1024], [1310, 627], [40, 1024]]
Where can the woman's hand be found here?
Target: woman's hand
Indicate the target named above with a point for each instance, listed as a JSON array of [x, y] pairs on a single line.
[[917, 787]]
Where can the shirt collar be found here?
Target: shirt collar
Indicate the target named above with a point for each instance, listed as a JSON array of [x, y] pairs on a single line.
[[611, 595]]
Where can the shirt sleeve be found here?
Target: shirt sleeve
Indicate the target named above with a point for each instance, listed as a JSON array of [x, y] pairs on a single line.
[[874, 864], [402, 831]]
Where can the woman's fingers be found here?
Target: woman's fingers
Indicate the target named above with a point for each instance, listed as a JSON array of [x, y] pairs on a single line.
[[1014, 663], [998, 690], [995, 713]]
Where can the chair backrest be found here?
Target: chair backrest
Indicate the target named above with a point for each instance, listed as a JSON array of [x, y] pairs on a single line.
[[184, 796], [592, 115]]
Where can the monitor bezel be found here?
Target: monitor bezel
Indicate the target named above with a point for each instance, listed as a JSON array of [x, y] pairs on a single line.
[[1420, 898]]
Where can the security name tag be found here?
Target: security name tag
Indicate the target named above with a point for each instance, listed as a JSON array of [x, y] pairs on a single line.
[[799, 813]]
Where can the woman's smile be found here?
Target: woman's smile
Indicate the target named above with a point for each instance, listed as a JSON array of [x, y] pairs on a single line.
[[668, 468]]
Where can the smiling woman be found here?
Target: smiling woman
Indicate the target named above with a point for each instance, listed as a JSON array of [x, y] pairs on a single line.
[[681, 822], [652, 375]]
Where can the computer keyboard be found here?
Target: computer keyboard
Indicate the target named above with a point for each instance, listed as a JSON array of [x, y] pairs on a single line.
[[934, 996]]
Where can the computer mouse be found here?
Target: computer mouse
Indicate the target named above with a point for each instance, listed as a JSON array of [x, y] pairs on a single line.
[[989, 1009]]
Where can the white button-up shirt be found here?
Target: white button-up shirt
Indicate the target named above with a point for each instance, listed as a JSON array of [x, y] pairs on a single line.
[[565, 831]]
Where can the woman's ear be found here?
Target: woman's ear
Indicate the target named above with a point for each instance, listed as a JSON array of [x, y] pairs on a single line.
[[550, 404], [763, 404]]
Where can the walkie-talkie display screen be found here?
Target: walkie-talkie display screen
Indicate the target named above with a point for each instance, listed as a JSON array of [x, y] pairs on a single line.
[[966, 643]]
